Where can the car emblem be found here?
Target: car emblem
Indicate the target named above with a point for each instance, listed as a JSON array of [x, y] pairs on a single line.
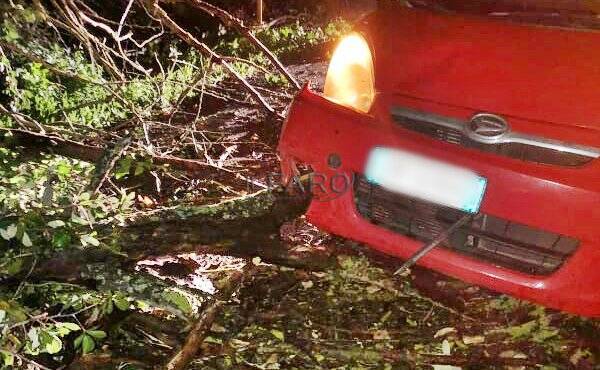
[[487, 127]]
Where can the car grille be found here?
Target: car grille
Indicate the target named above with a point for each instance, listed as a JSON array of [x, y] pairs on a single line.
[[492, 239], [430, 125]]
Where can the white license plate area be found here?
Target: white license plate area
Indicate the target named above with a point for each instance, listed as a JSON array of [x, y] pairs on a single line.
[[427, 179]]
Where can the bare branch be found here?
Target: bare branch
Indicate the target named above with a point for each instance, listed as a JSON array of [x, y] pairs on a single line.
[[236, 23], [24, 121], [161, 14]]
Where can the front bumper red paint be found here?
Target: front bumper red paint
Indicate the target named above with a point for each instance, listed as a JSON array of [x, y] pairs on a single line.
[[560, 200]]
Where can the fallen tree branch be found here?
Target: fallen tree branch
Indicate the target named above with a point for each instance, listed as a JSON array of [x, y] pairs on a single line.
[[247, 226], [91, 153], [56, 145], [22, 120], [162, 15], [236, 23], [200, 329], [107, 163]]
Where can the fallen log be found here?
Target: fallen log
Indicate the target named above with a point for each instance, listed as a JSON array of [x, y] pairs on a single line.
[[245, 227], [144, 287]]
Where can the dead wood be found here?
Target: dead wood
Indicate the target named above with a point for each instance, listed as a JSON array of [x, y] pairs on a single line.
[[200, 329], [245, 227], [55, 144]]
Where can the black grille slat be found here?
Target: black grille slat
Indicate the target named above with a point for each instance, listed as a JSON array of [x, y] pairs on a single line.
[[488, 238], [524, 152]]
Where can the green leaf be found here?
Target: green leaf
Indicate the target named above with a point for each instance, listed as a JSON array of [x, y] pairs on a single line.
[[77, 342], [56, 223], [108, 307], [26, 240], [14, 267], [123, 168], [63, 169], [142, 167], [9, 233], [68, 325], [179, 299], [213, 340], [97, 334], [521, 331], [89, 239], [121, 302], [87, 344], [7, 358], [139, 169], [54, 345], [11, 34], [61, 239], [542, 335], [78, 220], [278, 334]]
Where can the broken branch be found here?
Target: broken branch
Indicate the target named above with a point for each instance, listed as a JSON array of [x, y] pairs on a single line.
[[200, 330], [236, 23], [162, 15]]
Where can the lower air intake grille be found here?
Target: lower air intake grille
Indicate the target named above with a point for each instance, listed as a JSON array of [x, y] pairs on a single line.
[[488, 238]]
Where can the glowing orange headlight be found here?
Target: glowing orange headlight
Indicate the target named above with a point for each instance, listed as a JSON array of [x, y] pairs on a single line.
[[350, 78]]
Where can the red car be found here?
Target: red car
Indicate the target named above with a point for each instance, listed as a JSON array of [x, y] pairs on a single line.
[[437, 109]]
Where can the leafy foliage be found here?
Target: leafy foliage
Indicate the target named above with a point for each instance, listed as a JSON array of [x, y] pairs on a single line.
[[355, 316]]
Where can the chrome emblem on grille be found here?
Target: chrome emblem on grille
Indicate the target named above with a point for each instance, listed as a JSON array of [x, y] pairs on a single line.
[[487, 128]]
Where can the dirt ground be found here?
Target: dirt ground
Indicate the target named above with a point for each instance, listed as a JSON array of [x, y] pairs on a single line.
[[357, 315]]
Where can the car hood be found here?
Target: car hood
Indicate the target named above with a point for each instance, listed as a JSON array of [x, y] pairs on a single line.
[[534, 72]]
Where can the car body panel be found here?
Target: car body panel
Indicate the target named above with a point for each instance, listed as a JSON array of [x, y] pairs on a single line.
[[540, 73], [424, 71]]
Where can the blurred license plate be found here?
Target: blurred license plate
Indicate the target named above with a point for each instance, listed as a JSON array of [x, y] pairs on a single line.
[[427, 179]]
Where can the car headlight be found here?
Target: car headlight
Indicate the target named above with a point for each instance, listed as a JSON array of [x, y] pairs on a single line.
[[350, 78]]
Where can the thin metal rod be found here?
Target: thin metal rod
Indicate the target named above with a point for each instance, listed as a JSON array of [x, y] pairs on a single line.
[[434, 243]]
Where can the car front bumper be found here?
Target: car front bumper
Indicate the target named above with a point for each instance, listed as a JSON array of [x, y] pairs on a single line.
[[552, 198]]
